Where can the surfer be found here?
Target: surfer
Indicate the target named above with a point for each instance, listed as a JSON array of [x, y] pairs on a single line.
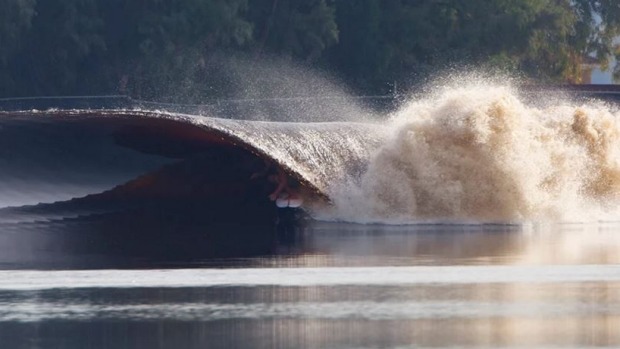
[[286, 192]]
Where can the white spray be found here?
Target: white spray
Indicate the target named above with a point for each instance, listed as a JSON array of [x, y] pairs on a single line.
[[479, 153]]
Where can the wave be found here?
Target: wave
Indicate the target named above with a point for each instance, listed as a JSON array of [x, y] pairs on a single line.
[[86, 156], [474, 153]]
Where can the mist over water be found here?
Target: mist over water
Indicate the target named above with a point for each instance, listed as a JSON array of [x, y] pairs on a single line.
[[261, 89], [274, 89], [481, 152]]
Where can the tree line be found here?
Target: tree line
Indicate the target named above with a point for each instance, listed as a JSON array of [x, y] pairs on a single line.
[[77, 47]]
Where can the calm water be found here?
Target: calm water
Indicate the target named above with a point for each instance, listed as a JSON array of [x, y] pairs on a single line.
[[69, 285]]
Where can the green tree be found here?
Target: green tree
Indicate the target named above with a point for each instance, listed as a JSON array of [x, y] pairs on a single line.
[[405, 40], [155, 46], [15, 20], [302, 29], [53, 53], [599, 26]]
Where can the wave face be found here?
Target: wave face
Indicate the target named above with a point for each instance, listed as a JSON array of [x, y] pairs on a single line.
[[481, 153], [47, 158], [322, 154], [61, 155]]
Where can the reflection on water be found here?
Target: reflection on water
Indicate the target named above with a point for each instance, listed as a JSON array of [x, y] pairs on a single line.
[[572, 314], [319, 285]]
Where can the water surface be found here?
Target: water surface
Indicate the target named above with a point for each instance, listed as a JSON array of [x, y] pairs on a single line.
[[323, 285]]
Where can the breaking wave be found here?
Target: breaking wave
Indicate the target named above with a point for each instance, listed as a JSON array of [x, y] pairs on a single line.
[[479, 152], [484, 153]]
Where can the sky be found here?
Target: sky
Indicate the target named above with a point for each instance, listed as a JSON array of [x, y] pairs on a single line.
[[601, 77]]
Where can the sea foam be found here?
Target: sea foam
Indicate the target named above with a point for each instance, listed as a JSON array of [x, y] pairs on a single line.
[[482, 152]]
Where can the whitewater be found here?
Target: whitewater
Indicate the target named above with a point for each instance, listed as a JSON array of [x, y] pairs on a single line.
[[484, 153]]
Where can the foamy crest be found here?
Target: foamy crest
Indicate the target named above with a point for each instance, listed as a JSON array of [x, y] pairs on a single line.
[[479, 153]]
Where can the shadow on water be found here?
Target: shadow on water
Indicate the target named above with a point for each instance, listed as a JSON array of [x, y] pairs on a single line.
[[196, 233], [135, 238], [158, 235], [141, 234]]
